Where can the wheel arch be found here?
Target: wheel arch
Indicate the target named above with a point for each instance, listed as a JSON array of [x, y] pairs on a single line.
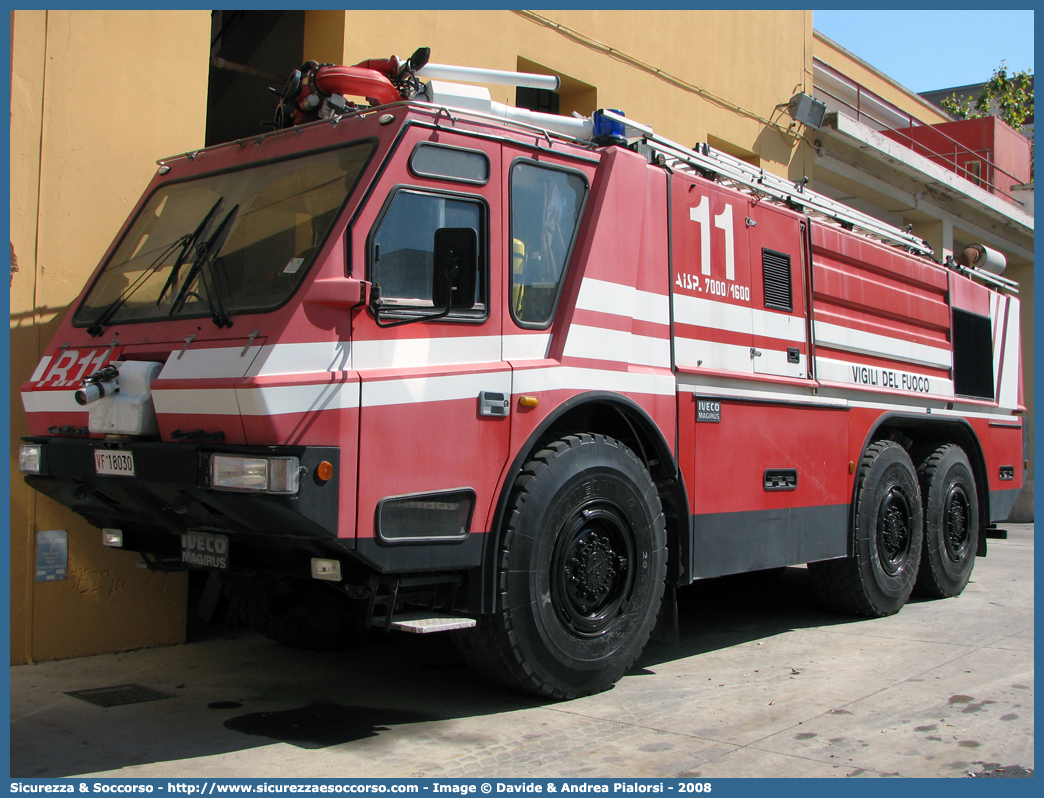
[[618, 417], [921, 435]]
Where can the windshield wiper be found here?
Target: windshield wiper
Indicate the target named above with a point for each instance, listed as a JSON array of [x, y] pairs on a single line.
[[189, 242], [207, 250], [103, 320], [186, 242]]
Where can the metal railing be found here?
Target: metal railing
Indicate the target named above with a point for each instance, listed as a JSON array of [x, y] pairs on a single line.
[[865, 99]]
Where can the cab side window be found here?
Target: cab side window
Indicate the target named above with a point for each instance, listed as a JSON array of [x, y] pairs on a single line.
[[402, 249], [546, 207]]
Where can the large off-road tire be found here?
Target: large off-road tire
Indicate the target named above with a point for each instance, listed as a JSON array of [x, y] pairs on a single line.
[[878, 578], [300, 613], [951, 523], [581, 572]]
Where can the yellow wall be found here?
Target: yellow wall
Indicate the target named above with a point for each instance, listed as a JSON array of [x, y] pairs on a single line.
[[96, 97], [721, 73]]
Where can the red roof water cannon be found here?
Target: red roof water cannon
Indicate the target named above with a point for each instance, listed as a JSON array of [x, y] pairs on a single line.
[[319, 91]]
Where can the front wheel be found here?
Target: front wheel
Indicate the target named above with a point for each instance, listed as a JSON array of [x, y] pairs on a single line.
[[878, 579], [951, 523], [582, 569]]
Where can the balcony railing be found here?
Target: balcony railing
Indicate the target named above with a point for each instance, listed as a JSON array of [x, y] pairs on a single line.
[[841, 93]]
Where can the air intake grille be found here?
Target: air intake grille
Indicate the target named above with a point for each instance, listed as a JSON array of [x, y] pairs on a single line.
[[776, 269]]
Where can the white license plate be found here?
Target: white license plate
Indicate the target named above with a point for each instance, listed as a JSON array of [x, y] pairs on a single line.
[[114, 464]]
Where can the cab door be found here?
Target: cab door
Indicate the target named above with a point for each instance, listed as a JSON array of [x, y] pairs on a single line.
[[435, 390]]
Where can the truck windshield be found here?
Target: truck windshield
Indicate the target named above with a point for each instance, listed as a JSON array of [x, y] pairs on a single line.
[[240, 241]]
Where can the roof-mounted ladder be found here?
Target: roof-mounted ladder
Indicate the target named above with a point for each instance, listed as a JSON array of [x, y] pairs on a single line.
[[732, 170]]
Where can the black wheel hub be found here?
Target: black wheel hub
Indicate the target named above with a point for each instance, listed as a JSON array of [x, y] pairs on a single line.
[[592, 569], [956, 523], [893, 531]]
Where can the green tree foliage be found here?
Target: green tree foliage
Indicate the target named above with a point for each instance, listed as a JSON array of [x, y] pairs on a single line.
[[1008, 95]]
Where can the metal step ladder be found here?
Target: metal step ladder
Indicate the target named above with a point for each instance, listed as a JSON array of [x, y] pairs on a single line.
[[422, 594]]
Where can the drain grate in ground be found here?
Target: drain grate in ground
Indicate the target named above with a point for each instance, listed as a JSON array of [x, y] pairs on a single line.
[[119, 695]]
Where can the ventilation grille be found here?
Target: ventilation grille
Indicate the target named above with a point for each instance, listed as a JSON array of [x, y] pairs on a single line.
[[776, 268]]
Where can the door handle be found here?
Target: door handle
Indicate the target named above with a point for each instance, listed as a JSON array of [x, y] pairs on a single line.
[[493, 403]]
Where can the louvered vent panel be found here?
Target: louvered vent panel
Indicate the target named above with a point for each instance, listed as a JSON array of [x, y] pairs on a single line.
[[776, 268]]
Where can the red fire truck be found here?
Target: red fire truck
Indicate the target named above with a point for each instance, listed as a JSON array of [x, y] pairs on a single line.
[[426, 362]]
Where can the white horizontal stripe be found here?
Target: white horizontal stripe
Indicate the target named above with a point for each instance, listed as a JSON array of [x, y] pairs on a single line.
[[268, 401], [526, 347], [720, 315], [877, 378], [690, 353], [420, 390], [276, 400], [776, 361], [208, 364], [51, 402], [708, 313], [623, 300], [196, 401], [779, 325], [308, 358], [578, 379], [882, 346], [333, 356], [617, 345], [409, 353], [968, 411], [911, 405], [799, 396]]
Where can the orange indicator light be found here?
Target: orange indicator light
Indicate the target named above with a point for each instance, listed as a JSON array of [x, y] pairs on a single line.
[[324, 471]]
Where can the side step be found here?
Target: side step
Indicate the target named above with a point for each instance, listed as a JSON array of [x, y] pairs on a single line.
[[419, 623]]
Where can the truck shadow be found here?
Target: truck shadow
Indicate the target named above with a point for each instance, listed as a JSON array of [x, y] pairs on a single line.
[[237, 691], [727, 611]]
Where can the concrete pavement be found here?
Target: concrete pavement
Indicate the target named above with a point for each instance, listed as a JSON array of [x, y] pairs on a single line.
[[765, 683]]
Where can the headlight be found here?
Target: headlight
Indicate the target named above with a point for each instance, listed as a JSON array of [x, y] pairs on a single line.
[[258, 474], [30, 458]]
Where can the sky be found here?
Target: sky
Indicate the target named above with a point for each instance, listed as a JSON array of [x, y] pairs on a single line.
[[926, 50]]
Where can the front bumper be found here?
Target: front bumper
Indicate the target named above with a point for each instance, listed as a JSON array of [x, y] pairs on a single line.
[[169, 495]]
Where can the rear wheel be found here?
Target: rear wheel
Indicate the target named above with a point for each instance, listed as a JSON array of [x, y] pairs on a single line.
[[300, 613], [582, 569], [951, 523], [878, 579]]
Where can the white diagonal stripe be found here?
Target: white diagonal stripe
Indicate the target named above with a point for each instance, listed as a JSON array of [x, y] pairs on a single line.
[[623, 300], [618, 346]]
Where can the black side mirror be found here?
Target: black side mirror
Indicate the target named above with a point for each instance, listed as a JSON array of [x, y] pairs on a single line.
[[455, 268]]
